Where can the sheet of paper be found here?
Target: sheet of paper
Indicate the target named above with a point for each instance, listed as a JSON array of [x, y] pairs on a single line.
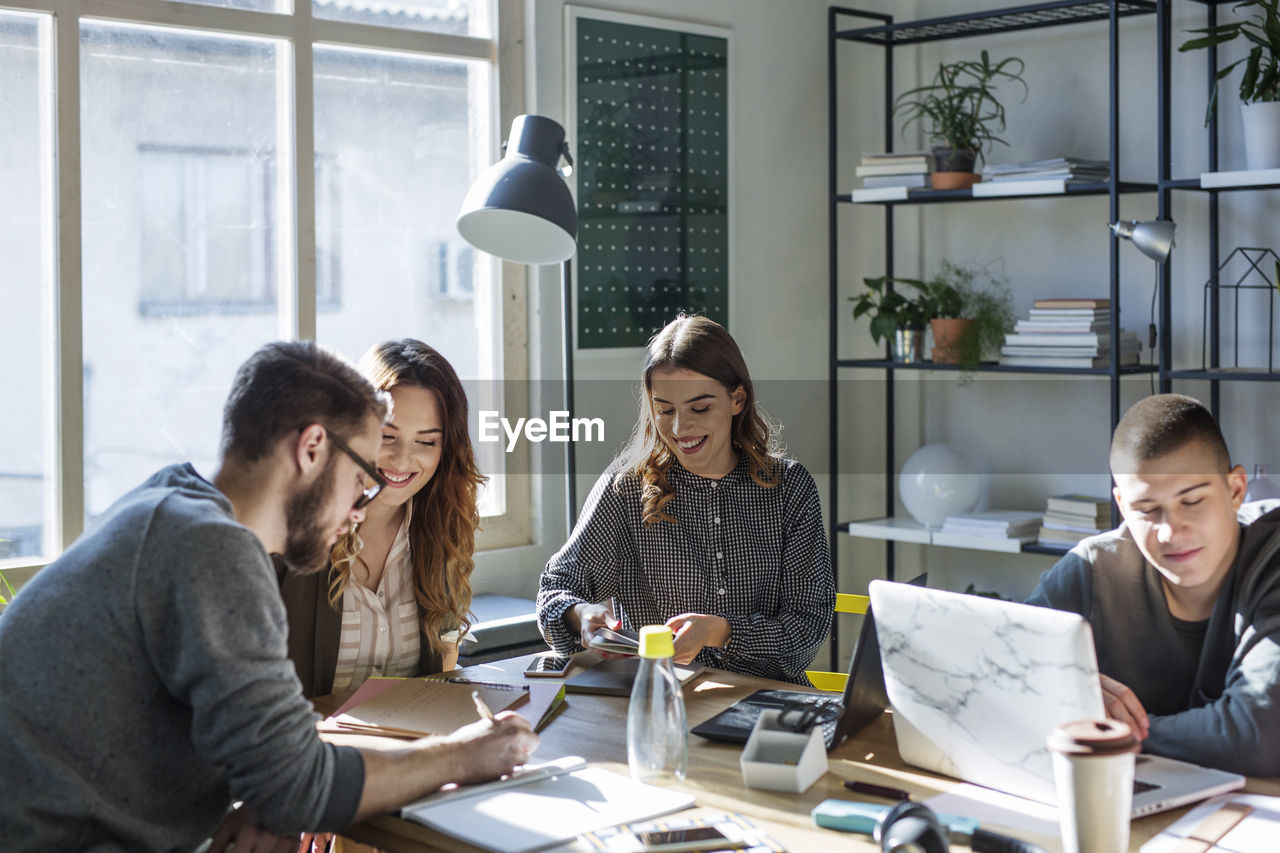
[[997, 809], [1256, 833], [548, 811]]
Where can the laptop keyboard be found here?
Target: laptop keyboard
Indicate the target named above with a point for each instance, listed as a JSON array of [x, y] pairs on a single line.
[[1140, 787]]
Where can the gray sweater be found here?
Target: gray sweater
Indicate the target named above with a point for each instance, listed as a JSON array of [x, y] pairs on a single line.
[[145, 686], [1211, 690]]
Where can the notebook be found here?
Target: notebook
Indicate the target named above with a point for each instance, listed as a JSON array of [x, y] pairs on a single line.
[[615, 676], [977, 684], [864, 697], [543, 806]]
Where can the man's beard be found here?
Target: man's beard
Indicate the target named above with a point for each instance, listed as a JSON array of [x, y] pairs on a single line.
[[306, 548]]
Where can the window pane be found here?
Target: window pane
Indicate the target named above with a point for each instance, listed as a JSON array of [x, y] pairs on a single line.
[[185, 240], [453, 17], [26, 288], [398, 141], [282, 6]]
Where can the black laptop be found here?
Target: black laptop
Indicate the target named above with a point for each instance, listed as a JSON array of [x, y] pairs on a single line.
[[864, 698]]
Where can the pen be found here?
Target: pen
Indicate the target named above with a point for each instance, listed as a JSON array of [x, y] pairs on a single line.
[[485, 713], [877, 790]]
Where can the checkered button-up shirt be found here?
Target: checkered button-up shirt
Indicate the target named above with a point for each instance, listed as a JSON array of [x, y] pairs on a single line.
[[757, 557]]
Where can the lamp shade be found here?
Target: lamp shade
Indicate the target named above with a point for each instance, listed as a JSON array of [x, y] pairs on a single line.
[[520, 208], [1154, 238]]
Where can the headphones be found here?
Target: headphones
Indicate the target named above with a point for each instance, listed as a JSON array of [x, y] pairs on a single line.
[[911, 828]]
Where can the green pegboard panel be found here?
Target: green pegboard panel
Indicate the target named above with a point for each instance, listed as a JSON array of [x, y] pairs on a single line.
[[652, 138]]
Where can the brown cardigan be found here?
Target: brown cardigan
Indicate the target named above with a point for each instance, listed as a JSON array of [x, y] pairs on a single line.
[[315, 628]]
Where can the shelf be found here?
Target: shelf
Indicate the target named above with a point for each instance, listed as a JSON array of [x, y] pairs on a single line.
[[1246, 179], [1029, 17], [992, 367], [911, 531], [966, 195], [1228, 374]]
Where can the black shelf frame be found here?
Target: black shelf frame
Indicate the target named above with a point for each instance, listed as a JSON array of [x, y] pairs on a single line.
[[888, 34]]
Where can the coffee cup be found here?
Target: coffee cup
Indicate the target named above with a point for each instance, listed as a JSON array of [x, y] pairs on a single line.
[[1093, 764]]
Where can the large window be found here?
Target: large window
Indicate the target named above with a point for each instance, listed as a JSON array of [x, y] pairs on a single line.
[[236, 186]]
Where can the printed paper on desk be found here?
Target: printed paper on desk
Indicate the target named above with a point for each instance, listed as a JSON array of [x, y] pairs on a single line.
[[515, 816], [1255, 833]]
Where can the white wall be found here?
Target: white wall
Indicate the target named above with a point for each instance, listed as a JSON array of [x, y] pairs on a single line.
[[1037, 436]]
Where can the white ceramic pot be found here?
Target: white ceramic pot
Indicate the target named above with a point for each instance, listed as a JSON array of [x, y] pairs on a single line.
[[1261, 134]]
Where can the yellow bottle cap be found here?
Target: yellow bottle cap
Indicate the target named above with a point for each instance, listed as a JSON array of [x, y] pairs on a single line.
[[656, 642]]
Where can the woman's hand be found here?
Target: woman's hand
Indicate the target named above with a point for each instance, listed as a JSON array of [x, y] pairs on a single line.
[[696, 631], [586, 619]]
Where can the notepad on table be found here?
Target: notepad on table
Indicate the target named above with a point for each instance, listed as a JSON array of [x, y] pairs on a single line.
[[542, 806], [413, 707]]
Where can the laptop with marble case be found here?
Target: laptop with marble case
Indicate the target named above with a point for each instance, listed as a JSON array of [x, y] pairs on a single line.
[[977, 684]]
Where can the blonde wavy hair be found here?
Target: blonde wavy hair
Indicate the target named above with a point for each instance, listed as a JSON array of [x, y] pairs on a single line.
[[444, 516], [704, 346]]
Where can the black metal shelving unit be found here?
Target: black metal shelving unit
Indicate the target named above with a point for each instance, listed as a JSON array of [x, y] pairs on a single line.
[[887, 34]]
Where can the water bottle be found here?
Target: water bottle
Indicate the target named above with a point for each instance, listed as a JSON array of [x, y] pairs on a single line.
[[1262, 487], [657, 734]]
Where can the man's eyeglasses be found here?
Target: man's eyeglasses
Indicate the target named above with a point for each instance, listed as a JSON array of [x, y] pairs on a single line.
[[379, 482]]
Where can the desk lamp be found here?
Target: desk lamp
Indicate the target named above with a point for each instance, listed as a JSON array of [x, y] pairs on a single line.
[[1154, 239], [520, 209]]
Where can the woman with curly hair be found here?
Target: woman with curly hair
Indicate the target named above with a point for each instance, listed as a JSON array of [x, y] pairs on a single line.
[[700, 524], [397, 594]]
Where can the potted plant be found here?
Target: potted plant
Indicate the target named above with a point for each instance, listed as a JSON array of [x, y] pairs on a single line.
[[970, 311], [963, 113], [1260, 85], [896, 315]]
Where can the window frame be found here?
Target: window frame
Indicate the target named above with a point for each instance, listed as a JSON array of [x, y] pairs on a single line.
[[300, 31]]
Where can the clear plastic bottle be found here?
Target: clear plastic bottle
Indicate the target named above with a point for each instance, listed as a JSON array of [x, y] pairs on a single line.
[[657, 733], [1262, 487]]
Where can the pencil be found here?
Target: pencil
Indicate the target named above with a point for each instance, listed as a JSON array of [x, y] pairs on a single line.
[[485, 713]]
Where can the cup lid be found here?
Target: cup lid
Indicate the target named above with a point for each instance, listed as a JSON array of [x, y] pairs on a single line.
[[1093, 737], [656, 641]]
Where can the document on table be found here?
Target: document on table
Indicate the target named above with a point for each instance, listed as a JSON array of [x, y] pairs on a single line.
[[543, 806], [414, 708], [1230, 823]]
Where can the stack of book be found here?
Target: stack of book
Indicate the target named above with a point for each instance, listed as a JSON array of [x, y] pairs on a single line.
[[1067, 332], [997, 529], [885, 175], [1070, 518], [1054, 168]]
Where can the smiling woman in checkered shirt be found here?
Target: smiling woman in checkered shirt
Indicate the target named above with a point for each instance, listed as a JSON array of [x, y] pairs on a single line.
[[699, 524]]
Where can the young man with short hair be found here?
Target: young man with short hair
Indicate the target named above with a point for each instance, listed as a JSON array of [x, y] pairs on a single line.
[[1184, 597], [145, 678]]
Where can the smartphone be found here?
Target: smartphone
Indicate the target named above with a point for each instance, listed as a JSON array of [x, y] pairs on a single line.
[[548, 666], [717, 837]]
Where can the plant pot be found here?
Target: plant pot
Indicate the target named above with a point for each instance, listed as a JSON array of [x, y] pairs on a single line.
[[908, 345], [954, 180], [1261, 134], [948, 159], [951, 336]]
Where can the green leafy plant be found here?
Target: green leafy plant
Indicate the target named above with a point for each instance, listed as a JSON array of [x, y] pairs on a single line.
[[1261, 80], [963, 291], [960, 104], [891, 309]]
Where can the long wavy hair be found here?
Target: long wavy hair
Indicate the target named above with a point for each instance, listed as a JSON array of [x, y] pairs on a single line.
[[703, 346], [444, 517]]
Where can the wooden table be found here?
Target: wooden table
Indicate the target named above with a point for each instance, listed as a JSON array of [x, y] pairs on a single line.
[[595, 727]]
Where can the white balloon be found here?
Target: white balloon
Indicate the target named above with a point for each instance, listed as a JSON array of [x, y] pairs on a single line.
[[935, 482]]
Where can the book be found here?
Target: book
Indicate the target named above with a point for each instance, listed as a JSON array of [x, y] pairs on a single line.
[[896, 157], [1073, 326], [416, 707], [880, 194], [1088, 528], [1101, 314], [1090, 505], [1066, 339], [1066, 352], [1064, 537], [1126, 359], [1043, 186], [1073, 302], [894, 168], [995, 523], [914, 182], [542, 805], [614, 677], [1077, 521], [622, 641]]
